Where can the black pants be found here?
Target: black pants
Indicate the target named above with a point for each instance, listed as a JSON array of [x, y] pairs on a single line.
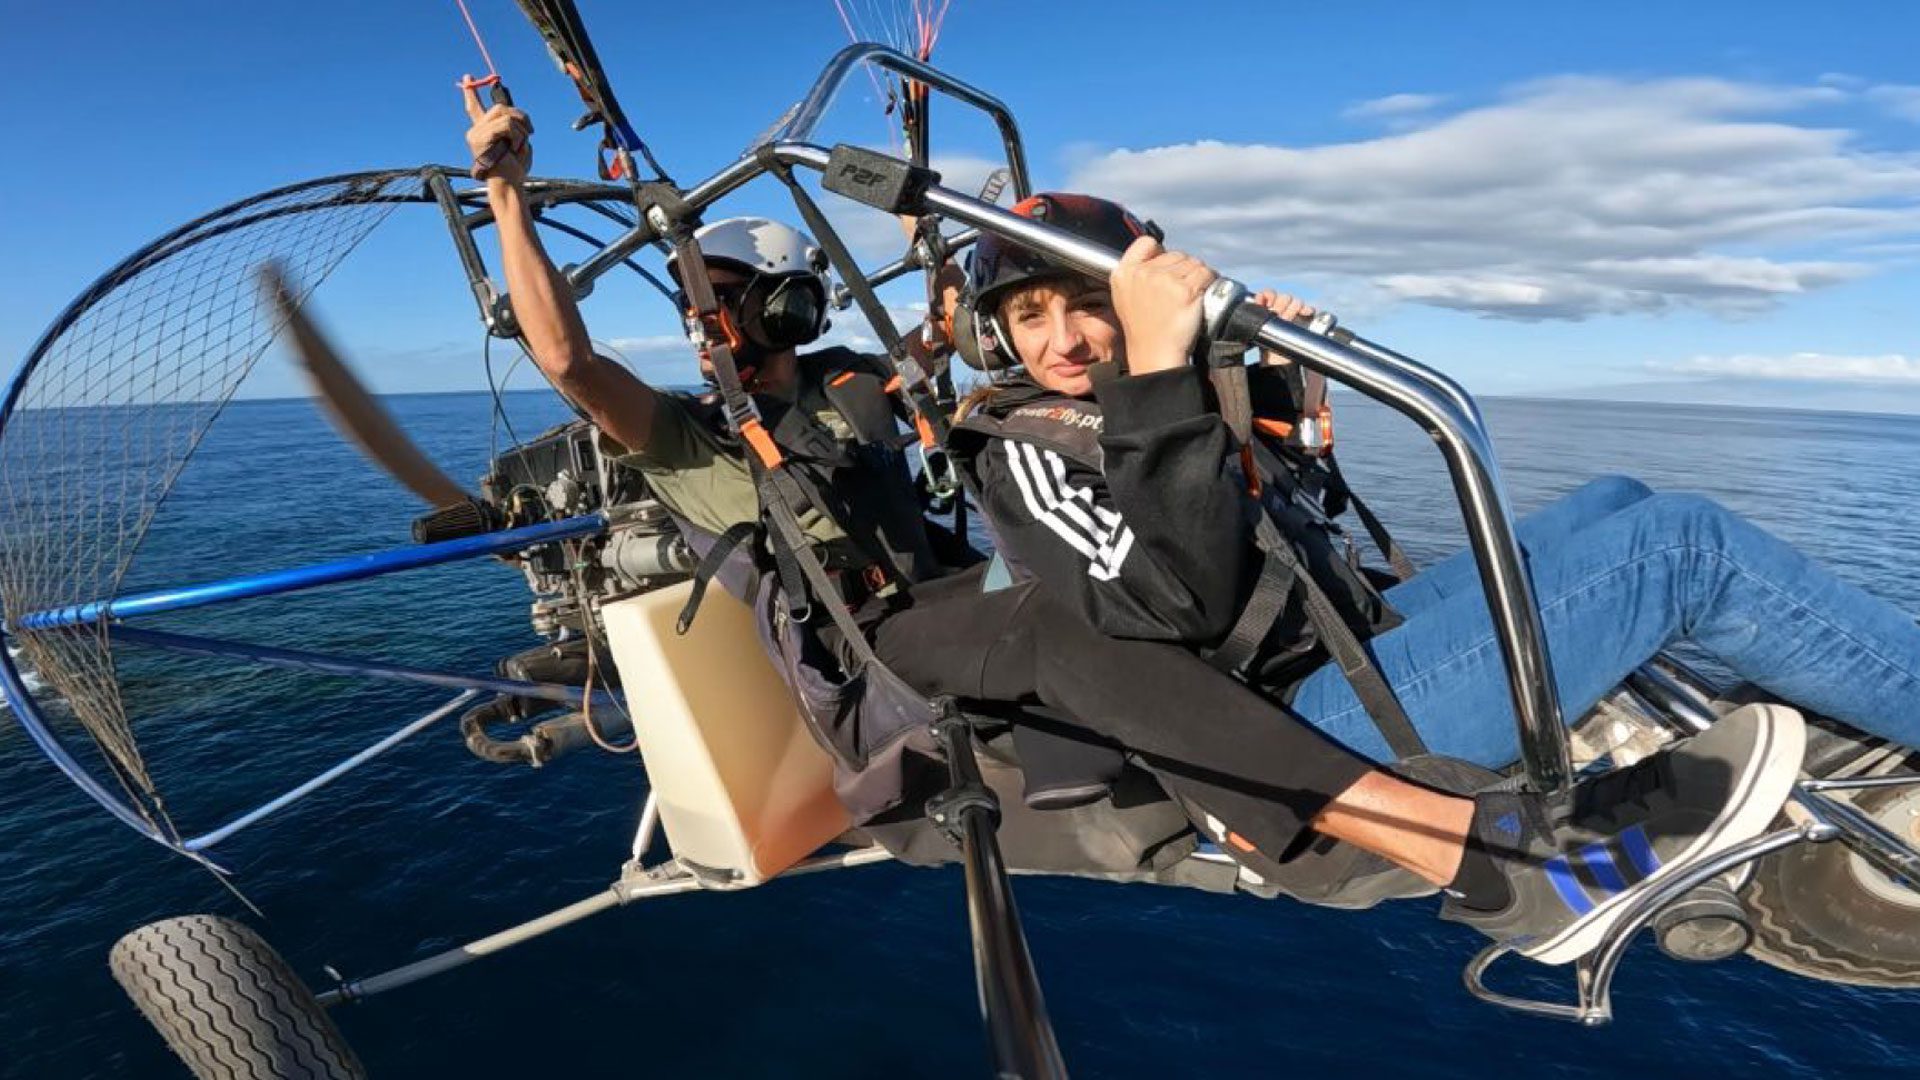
[[1213, 743]]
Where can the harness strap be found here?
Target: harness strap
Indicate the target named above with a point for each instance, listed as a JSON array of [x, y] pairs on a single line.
[[737, 534], [1281, 568], [788, 540], [916, 389], [1233, 398], [1378, 698], [1257, 616], [1402, 566]]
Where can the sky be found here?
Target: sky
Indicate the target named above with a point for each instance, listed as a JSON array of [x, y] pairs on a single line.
[[1706, 202]]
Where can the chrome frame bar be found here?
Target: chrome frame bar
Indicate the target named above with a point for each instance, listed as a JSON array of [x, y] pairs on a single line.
[[1861, 783], [911, 262], [1677, 691], [798, 127], [635, 884], [649, 825]]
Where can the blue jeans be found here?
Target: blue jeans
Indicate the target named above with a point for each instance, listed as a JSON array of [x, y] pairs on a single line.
[[1621, 573]]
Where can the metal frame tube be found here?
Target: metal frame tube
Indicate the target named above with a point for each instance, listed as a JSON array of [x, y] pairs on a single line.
[[1018, 1029], [327, 664], [461, 955], [27, 712], [806, 116], [643, 886], [1861, 783], [649, 824], [273, 806], [799, 126], [910, 262], [352, 568], [1677, 692], [701, 195]]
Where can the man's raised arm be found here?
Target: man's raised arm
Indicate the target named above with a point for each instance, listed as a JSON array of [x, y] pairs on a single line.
[[543, 304]]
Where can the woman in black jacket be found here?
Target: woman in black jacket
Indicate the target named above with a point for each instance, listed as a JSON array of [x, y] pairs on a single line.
[[1108, 475]]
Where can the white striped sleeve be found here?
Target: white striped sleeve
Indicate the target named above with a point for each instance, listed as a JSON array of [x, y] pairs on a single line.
[[1096, 532]]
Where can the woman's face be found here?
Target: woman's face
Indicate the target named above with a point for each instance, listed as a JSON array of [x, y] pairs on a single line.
[[1060, 329]]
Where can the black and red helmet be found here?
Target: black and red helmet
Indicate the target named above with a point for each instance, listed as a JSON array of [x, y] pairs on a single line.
[[999, 265]]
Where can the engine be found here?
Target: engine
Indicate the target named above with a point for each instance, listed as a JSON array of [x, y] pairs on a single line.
[[560, 474]]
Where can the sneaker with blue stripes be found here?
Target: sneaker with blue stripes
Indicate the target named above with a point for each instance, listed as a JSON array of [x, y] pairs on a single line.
[[1574, 863]]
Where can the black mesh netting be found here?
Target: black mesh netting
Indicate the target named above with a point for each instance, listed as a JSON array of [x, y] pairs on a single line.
[[113, 404]]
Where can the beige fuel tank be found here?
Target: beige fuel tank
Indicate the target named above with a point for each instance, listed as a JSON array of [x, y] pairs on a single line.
[[742, 784]]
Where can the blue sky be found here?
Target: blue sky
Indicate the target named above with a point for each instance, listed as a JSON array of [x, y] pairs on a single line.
[[1704, 201]]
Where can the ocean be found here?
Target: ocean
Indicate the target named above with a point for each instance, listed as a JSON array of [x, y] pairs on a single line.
[[863, 973]]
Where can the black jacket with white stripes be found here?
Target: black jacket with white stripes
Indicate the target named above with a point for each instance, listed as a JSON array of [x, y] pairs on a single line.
[[1153, 544], [1132, 505]]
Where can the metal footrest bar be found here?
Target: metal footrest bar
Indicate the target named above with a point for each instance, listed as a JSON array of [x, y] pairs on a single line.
[[1867, 838], [1679, 694], [1594, 974]]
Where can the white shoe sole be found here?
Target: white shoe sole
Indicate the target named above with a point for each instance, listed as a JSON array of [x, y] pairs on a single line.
[[1757, 798]]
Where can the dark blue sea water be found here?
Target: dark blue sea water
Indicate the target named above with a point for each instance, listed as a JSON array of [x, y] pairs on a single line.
[[866, 973]]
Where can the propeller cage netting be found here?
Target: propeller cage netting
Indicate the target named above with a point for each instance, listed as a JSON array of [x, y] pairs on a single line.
[[112, 403]]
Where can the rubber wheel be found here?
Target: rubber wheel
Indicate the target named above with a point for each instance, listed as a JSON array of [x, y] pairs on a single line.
[[228, 1004], [1820, 911]]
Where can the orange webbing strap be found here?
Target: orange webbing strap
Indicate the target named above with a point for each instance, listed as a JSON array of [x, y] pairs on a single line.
[[1283, 430], [717, 340], [1251, 470], [761, 440]]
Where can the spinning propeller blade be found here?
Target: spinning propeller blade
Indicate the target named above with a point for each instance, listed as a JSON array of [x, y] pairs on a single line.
[[351, 408]]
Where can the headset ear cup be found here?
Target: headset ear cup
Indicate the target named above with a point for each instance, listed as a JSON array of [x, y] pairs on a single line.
[[784, 313], [801, 310], [966, 337], [979, 341]]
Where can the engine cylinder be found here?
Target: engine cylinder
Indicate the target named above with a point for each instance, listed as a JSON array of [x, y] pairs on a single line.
[[642, 555]]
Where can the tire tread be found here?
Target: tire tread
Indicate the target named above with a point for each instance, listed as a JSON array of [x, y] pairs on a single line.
[[227, 1004]]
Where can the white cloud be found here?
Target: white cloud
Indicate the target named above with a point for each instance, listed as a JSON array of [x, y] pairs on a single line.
[[632, 347], [1901, 101], [1891, 369], [1568, 198], [851, 330], [1393, 105]]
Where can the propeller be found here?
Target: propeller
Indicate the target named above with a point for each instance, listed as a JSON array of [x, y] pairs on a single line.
[[351, 408]]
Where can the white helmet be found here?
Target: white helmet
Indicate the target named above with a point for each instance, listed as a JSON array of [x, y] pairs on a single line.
[[784, 304]]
